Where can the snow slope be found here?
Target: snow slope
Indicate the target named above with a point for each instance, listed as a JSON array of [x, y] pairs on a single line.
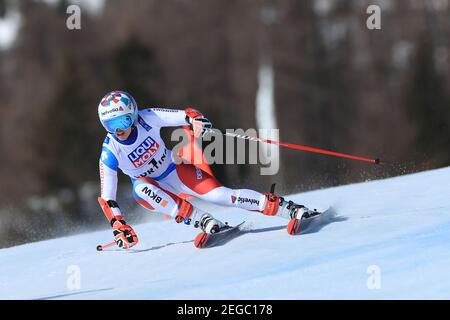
[[397, 228]]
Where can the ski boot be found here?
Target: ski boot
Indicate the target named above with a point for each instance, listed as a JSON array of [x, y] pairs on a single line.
[[210, 225], [210, 228], [188, 214], [297, 213], [278, 206]]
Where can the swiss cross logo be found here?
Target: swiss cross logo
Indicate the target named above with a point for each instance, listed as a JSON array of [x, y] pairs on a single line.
[[143, 153]]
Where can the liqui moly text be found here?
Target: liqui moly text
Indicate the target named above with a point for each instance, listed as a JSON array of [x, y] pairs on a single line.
[[144, 152]]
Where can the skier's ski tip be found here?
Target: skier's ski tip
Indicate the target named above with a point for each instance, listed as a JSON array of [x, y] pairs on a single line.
[[293, 226], [296, 226], [201, 239], [208, 240]]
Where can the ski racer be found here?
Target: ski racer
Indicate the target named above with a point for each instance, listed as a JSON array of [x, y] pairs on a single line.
[[133, 144]]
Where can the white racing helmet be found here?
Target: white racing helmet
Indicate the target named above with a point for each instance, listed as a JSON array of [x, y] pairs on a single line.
[[117, 110]]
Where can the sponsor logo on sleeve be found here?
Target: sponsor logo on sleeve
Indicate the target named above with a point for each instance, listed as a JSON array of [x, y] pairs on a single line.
[[144, 124], [165, 110], [244, 200]]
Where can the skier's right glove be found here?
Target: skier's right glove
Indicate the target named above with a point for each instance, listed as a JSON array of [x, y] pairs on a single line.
[[124, 235]]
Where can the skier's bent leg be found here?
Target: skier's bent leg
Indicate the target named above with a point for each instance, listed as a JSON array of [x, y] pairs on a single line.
[[194, 181], [240, 198], [277, 205], [267, 204], [151, 196]]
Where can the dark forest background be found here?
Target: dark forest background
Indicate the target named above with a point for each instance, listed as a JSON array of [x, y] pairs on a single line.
[[339, 86]]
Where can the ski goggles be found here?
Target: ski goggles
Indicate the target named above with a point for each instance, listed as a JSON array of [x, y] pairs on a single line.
[[120, 123]]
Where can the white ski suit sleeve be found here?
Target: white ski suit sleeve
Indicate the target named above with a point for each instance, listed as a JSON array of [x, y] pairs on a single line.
[[108, 166], [108, 182], [161, 117]]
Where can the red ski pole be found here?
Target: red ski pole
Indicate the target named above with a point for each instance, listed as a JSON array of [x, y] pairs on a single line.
[[303, 148], [101, 247]]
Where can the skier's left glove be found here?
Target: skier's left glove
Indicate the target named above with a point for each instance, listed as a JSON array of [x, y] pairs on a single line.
[[124, 235], [199, 124]]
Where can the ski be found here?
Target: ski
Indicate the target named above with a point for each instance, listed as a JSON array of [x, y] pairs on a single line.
[[206, 240], [298, 226]]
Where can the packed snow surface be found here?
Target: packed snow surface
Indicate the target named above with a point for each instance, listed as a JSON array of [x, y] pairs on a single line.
[[390, 240]]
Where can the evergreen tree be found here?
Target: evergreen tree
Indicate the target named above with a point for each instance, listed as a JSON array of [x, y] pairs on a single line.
[[429, 104]]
